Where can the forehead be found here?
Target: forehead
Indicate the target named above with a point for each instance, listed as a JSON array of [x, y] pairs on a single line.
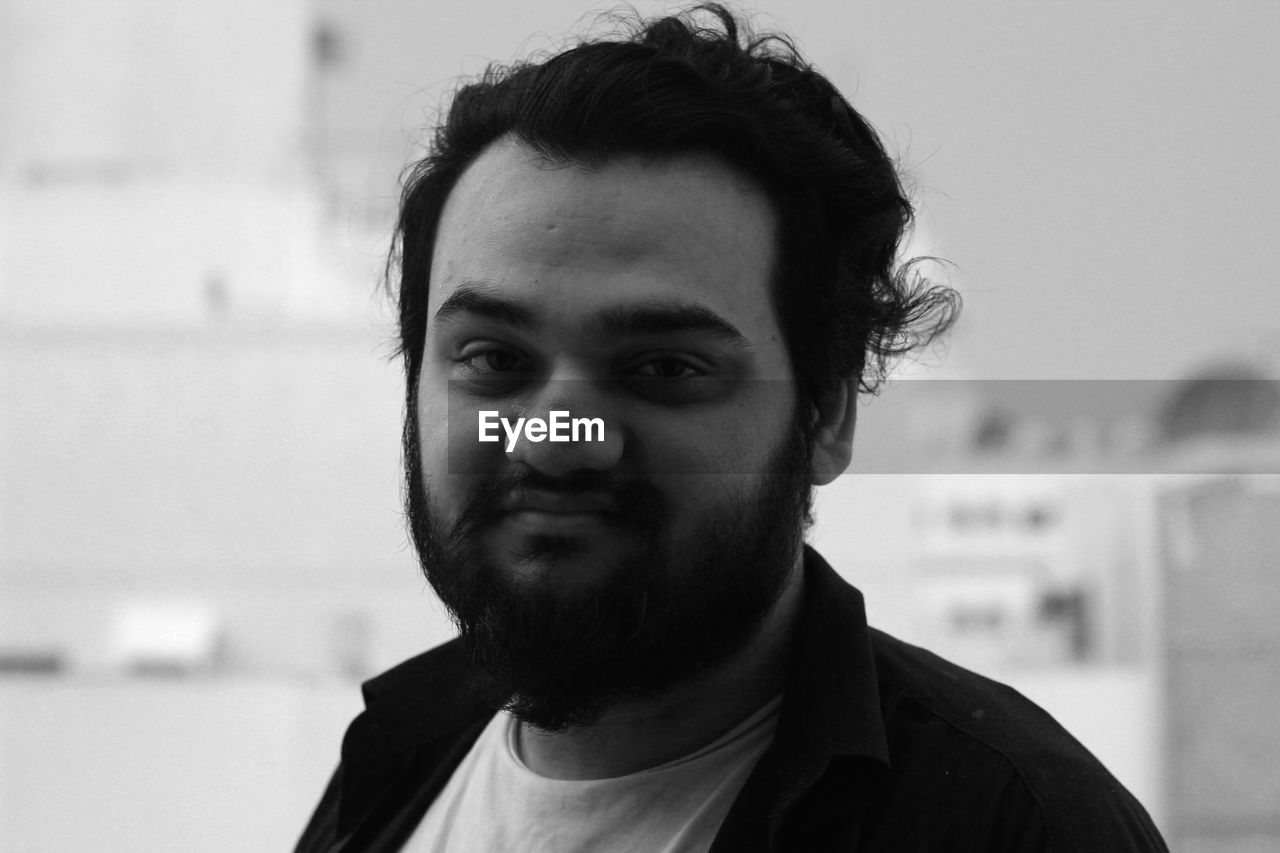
[[577, 238]]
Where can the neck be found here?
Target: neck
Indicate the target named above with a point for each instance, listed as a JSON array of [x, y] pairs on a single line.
[[646, 732]]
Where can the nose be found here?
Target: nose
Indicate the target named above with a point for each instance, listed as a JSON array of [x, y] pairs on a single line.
[[581, 434]]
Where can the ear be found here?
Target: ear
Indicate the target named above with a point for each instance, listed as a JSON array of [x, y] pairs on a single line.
[[834, 419]]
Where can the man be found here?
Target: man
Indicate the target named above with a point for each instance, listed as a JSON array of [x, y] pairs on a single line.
[[689, 237]]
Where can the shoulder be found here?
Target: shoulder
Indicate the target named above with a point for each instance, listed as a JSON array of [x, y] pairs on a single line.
[[444, 662], [430, 695], [987, 750], [420, 718]]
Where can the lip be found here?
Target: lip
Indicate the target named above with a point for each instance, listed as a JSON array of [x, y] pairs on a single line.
[[540, 502], [538, 521]]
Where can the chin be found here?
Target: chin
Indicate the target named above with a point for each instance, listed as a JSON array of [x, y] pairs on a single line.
[[556, 562]]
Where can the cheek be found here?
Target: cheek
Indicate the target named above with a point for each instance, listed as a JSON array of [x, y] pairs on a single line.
[[433, 431], [698, 504], [446, 491], [448, 431], [738, 439], [455, 465]]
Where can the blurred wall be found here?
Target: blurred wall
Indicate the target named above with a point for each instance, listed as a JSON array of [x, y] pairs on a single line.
[[256, 468]]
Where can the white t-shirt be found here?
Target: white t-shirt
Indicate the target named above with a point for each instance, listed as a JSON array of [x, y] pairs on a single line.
[[493, 802]]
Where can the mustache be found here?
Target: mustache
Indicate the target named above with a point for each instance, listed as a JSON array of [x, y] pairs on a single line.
[[635, 505]]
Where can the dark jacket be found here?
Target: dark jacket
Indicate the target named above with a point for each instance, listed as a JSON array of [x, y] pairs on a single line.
[[881, 746]]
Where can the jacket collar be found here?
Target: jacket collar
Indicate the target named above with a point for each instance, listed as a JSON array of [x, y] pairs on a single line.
[[831, 722], [428, 699], [832, 702], [830, 709]]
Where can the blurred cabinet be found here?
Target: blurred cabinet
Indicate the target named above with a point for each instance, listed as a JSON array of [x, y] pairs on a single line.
[[1222, 543]]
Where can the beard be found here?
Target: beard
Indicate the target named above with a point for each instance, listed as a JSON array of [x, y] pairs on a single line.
[[657, 617]]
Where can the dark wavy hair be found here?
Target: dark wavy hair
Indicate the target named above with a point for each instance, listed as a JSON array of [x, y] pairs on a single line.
[[702, 82]]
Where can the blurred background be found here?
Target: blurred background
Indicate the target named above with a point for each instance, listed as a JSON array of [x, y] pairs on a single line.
[[201, 548]]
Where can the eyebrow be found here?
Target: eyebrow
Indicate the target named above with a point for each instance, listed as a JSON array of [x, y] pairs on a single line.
[[473, 299], [668, 318], [650, 319]]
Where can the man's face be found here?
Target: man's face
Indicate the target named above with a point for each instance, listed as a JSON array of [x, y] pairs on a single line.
[[583, 573]]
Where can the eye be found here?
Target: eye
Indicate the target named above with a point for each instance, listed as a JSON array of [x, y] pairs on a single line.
[[483, 362], [489, 369], [667, 367], [496, 360], [675, 379]]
